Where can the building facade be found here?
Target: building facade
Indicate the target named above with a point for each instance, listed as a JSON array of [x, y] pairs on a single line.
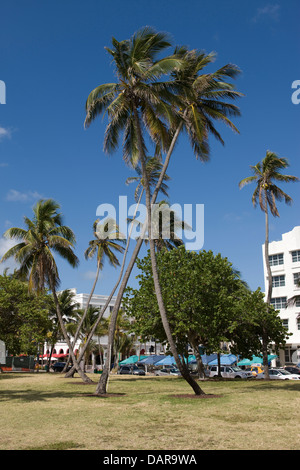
[[61, 349], [284, 257]]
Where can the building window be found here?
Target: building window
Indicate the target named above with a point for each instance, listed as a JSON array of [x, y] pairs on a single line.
[[297, 279], [275, 260], [298, 323], [295, 256], [278, 281], [278, 302], [297, 303], [285, 323]]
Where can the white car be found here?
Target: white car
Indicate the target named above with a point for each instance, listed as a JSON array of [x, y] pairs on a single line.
[[230, 372], [279, 374], [167, 371]]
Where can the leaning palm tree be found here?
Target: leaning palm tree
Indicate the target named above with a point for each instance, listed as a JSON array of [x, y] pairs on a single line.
[[153, 166], [266, 174], [137, 99], [107, 240], [44, 235]]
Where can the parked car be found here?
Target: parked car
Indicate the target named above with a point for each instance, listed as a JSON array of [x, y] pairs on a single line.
[[59, 367], [279, 374], [292, 369], [131, 369], [231, 372], [167, 371]]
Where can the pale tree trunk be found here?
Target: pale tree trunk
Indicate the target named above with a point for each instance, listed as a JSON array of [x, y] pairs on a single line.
[[180, 364], [102, 385], [64, 331], [111, 294], [72, 370], [269, 290]]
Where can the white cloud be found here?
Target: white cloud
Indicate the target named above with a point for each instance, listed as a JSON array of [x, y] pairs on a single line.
[[89, 275], [17, 196], [270, 11], [4, 133], [5, 245]]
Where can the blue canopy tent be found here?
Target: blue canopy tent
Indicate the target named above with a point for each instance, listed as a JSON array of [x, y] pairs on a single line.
[[225, 359], [256, 360], [150, 360], [167, 361], [131, 360]]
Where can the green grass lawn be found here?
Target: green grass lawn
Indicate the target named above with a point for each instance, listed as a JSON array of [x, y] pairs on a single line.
[[47, 411]]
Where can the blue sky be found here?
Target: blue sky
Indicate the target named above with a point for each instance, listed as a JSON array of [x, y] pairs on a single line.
[[52, 55]]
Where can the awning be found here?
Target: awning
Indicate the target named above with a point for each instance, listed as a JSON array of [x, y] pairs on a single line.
[[225, 360], [151, 359], [255, 360], [132, 360], [166, 361]]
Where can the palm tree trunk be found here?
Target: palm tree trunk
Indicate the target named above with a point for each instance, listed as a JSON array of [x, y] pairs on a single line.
[[72, 370], [102, 385], [64, 331], [112, 292], [269, 289], [180, 364]]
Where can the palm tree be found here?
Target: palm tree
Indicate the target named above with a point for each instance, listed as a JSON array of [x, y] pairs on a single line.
[[87, 318], [153, 168], [266, 193], [67, 308], [44, 234], [106, 241], [137, 101]]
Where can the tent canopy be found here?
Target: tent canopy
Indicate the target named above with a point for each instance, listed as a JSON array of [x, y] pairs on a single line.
[[225, 359], [255, 360], [152, 359], [132, 360], [168, 360]]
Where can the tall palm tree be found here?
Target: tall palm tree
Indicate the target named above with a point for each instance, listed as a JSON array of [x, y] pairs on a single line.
[[266, 174], [107, 240], [138, 101], [153, 166], [87, 318], [67, 308], [44, 235]]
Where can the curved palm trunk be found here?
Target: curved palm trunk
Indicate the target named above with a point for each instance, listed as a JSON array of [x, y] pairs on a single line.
[[64, 331], [180, 364], [72, 371], [102, 385], [111, 294], [269, 291]]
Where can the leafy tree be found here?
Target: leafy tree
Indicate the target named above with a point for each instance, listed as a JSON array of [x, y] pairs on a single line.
[[24, 318], [207, 304], [266, 174], [44, 235]]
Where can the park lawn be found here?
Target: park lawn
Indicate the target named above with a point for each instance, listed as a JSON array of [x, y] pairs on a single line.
[[47, 411]]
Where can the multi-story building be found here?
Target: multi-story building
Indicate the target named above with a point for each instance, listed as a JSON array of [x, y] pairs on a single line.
[[61, 349], [284, 257]]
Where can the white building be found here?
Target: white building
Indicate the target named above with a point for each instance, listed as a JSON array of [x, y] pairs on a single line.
[[61, 349], [284, 256]]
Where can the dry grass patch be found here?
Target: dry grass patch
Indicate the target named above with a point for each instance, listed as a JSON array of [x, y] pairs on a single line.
[[47, 411]]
